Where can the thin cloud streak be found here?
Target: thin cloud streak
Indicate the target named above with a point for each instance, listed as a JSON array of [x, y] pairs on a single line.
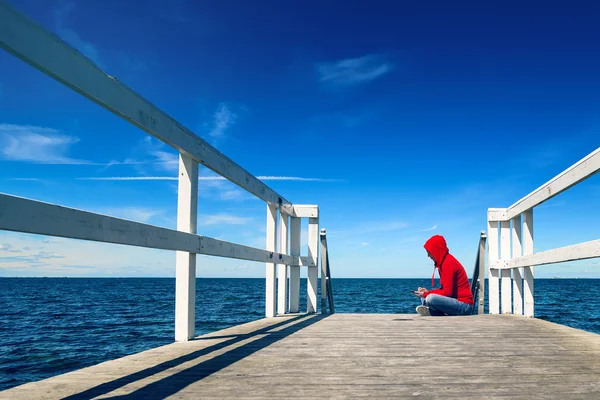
[[352, 71], [71, 37], [223, 119], [228, 219], [202, 178], [433, 228], [36, 144]]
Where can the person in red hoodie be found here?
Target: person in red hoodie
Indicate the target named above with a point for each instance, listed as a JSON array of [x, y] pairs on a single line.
[[454, 295]]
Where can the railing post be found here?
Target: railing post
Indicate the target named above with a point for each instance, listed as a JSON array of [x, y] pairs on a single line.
[[506, 286], [517, 272], [185, 263], [528, 271], [323, 271], [271, 245], [494, 289], [481, 296], [313, 272], [295, 243], [282, 274]]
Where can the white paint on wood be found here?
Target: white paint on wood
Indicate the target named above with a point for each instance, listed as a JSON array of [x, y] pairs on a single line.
[[496, 214], [494, 284], [578, 172], [295, 244], [580, 251], [48, 53], [221, 248], [528, 303], [185, 265], [506, 286], [517, 273], [270, 300], [282, 272], [306, 211], [323, 268], [31, 216], [313, 272]]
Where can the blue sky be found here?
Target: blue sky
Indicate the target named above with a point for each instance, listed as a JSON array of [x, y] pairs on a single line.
[[409, 118]]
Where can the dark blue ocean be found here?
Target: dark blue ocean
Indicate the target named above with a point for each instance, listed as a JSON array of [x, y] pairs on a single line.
[[50, 326]]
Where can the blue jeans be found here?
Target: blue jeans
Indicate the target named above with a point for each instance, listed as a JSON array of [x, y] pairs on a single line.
[[442, 305]]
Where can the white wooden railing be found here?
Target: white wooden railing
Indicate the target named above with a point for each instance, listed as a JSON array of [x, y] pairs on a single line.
[[516, 223], [43, 50]]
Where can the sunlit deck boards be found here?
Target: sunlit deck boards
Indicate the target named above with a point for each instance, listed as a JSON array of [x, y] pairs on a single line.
[[349, 355]]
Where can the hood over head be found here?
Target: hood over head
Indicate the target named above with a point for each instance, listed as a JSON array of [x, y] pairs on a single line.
[[436, 245]]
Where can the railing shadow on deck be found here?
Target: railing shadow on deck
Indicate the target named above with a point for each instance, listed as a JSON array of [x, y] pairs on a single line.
[[174, 383]]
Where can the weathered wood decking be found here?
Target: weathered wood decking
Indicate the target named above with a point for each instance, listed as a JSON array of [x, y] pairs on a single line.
[[349, 355]]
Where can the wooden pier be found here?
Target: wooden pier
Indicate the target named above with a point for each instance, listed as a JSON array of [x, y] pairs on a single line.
[[349, 355], [305, 355]]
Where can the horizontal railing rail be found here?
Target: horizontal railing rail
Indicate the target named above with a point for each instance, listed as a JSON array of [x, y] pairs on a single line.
[[31, 216], [510, 249], [40, 48], [48, 53], [581, 251]]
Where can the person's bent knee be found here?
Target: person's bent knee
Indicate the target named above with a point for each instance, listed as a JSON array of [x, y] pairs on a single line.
[[432, 299]]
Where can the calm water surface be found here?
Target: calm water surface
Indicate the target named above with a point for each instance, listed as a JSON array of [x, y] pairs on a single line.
[[50, 326]]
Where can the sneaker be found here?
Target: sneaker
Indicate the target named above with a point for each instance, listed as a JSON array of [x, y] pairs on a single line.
[[423, 311]]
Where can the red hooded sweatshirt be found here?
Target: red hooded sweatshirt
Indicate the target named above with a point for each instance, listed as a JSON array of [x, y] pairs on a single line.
[[453, 277]]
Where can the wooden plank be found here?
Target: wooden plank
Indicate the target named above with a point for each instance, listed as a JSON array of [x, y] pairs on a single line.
[[573, 175], [497, 214], [528, 303], [48, 53], [295, 244], [493, 274], [221, 248], [306, 211], [323, 240], [313, 272], [32, 216], [271, 244], [580, 251], [375, 355], [517, 273], [185, 262], [282, 271], [506, 287]]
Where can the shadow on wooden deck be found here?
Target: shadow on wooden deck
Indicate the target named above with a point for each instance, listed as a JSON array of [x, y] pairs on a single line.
[[174, 383]]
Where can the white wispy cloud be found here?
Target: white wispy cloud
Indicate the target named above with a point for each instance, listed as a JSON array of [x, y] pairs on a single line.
[[221, 189], [223, 118], [129, 178], [138, 214], [36, 144], [71, 37], [228, 219], [6, 247], [165, 160], [351, 71], [433, 228], [203, 178], [364, 244], [42, 256]]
